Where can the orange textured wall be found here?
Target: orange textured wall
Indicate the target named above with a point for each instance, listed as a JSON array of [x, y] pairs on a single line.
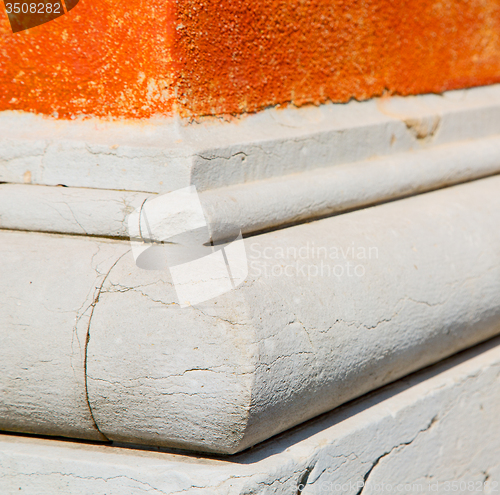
[[104, 58], [139, 58]]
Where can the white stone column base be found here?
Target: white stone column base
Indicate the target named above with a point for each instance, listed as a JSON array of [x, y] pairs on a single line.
[[437, 431]]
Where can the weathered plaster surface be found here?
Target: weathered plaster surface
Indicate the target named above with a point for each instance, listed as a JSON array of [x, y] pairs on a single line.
[[167, 154], [92, 212], [206, 57], [92, 332], [437, 426], [272, 203], [49, 286], [259, 205], [102, 58], [290, 344]]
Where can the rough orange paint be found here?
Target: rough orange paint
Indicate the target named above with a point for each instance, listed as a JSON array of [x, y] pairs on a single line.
[[104, 58], [139, 58]]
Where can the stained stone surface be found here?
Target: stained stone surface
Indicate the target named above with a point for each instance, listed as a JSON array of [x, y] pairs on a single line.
[[94, 347], [429, 433]]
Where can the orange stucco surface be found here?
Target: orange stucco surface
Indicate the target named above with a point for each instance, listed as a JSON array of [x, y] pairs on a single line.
[[139, 58]]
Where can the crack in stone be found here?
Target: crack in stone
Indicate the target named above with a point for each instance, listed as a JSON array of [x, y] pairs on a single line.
[[220, 157], [87, 340], [96, 478], [385, 454]]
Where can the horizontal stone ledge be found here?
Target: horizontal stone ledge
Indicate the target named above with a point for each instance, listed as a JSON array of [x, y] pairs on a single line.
[[269, 204], [427, 433], [68, 210], [162, 155], [260, 205], [94, 347]]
